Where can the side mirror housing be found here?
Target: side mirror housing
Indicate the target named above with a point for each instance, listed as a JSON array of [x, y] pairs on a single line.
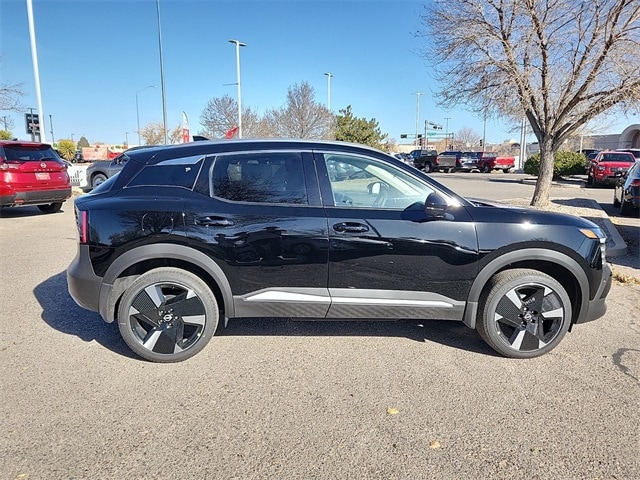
[[435, 206]]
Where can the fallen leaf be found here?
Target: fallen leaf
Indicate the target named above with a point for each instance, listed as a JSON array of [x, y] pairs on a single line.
[[435, 444], [22, 476], [392, 411]]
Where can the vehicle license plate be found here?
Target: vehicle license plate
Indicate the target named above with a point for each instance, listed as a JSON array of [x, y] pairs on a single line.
[[43, 176]]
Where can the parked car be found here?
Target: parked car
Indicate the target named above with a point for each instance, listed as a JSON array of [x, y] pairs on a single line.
[[608, 166], [32, 174], [469, 161], [426, 160], [626, 192], [405, 157], [98, 172], [189, 236]]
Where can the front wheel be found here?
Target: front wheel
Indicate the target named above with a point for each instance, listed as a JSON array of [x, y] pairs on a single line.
[[50, 208], [167, 315], [98, 179], [523, 313]]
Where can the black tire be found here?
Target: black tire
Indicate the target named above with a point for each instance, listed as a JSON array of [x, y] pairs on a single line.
[[51, 207], [523, 313], [98, 179], [486, 168], [152, 313], [590, 179], [625, 208], [427, 167], [506, 170]]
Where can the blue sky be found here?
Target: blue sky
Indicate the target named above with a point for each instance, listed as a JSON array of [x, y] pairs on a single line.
[[94, 55]]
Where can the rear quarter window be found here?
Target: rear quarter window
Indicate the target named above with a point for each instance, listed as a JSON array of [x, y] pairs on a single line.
[[178, 172]]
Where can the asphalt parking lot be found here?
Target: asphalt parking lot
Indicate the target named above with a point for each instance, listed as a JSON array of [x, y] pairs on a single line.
[[275, 398]]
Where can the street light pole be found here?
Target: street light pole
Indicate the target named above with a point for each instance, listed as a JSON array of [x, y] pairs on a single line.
[[138, 110], [329, 75], [51, 126], [126, 139], [238, 44], [164, 101], [446, 133], [72, 136], [417, 94]]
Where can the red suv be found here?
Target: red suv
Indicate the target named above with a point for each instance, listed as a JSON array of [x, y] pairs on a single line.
[[32, 174], [608, 167]]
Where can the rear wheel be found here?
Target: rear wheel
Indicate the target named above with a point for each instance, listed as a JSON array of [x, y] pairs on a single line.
[[167, 315], [486, 168], [523, 313], [427, 167], [51, 207]]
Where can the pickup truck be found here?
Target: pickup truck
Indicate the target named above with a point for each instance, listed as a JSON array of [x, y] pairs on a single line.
[[426, 160], [489, 161], [449, 161]]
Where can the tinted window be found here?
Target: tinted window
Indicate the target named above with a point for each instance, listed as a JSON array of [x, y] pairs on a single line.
[[178, 172], [617, 157], [363, 182], [29, 153], [264, 177]]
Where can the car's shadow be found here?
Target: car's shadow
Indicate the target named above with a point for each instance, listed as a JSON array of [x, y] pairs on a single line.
[[61, 313], [29, 211]]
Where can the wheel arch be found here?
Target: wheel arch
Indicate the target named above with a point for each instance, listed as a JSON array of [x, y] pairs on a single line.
[[561, 267], [130, 265]]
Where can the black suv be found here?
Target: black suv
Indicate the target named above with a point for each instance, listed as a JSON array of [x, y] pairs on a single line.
[[186, 235]]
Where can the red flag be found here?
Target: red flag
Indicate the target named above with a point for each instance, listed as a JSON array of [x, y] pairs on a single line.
[[231, 132]]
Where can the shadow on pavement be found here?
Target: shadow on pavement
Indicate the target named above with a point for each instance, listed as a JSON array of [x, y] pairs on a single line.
[[450, 333], [60, 312]]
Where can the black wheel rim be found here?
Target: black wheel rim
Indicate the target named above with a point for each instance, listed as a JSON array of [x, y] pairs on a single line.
[[529, 317], [167, 318]]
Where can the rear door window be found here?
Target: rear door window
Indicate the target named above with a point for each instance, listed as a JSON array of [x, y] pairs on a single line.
[[262, 177]]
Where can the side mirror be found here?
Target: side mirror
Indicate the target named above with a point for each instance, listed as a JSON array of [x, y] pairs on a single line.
[[435, 206]]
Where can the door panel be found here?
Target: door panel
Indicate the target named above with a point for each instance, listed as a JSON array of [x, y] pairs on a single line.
[[275, 242], [387, 258]]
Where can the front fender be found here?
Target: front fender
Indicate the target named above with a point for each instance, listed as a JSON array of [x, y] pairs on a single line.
[[524, 255]]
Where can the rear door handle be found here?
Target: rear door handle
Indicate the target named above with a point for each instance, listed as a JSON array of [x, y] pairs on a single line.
[[350, 227], [213, 222]]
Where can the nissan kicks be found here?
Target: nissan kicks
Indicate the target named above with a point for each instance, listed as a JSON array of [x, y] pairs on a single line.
[[186, 237]]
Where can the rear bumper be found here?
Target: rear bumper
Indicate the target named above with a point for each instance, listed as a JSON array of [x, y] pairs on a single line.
[[83, 284], [39, 197]]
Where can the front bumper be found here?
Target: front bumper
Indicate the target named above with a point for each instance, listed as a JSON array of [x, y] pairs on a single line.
[[597, 307]]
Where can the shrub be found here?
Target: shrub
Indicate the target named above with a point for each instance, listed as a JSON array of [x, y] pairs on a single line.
[[564, 164]]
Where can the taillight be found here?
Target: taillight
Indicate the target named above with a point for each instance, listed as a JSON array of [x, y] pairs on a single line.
[[635, 183], [83, 220]]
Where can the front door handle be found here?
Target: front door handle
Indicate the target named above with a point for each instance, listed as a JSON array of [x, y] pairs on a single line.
[[350, 227], [213, 222]]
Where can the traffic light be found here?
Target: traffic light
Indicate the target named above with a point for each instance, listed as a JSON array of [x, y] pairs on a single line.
[[480, 142]]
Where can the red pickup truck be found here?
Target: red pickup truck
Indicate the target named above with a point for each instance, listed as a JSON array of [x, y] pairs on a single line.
[[488, 161]]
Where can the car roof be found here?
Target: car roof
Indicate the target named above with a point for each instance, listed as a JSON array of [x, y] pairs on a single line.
[[155, 154]]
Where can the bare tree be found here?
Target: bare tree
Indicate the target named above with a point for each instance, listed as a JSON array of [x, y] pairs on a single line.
[[153, 133], [559, 63], [10, 95], [467, 138], [221, 115], [6, 123], [302, 116]]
